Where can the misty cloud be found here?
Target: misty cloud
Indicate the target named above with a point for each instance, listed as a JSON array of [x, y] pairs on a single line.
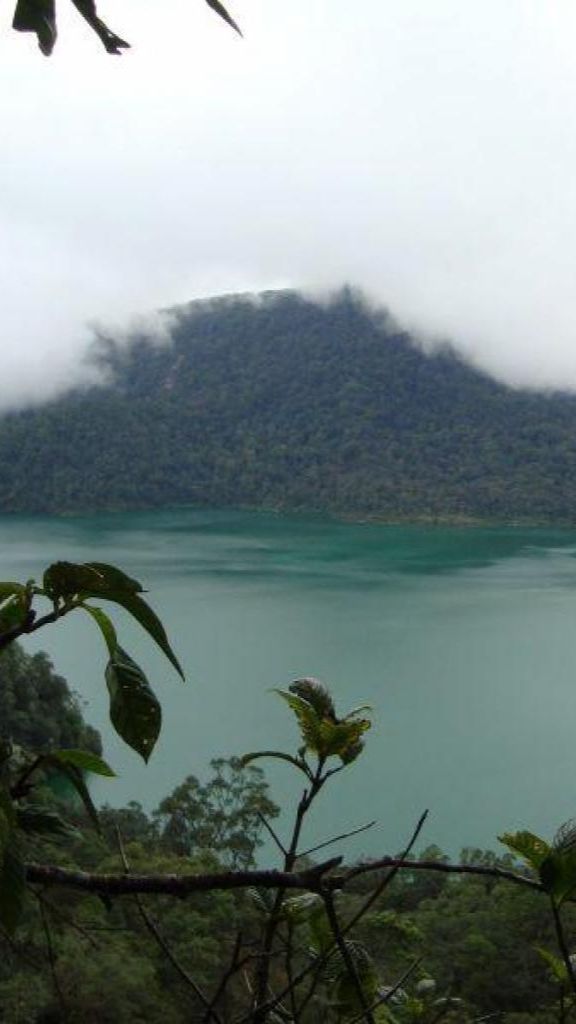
[[422, 150]]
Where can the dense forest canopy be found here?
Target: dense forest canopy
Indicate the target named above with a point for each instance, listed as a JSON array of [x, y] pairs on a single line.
[[285, 403]]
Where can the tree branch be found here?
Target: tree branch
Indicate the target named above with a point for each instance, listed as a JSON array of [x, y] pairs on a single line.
[[178, 885]]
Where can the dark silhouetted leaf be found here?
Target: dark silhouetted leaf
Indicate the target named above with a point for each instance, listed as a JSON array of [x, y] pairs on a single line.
[[114, 579], [84, 760], [105, 626], [65, 579], [134, 711], [145, 617], [558, 874], [223, 13]]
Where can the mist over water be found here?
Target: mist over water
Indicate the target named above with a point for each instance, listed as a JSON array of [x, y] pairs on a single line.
[[462, 640]]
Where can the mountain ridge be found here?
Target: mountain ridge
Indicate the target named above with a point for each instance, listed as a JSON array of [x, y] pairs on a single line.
[[282, 402]]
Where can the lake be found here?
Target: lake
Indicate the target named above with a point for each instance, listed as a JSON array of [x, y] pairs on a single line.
[[462, 640]]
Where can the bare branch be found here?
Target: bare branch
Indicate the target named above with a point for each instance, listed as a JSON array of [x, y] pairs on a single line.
[[163, 944], [273, 834], [336, 839], [344, 951], [179, 885]]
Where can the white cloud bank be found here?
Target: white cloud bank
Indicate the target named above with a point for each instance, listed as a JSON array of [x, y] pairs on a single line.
[[423, 150]]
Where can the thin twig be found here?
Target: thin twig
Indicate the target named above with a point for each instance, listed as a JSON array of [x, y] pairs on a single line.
[[344, 951], [163, 944], [402, 863], [561, 938], [388, 878], [263, 969], [323, 957], [344, 835], [273, 834], [51, 957], [235, 965], [389, 995]]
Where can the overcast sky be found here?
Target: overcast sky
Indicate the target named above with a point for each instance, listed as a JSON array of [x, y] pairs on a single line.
[[424, 150]]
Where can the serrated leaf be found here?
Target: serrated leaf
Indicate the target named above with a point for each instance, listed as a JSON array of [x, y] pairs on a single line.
[[263, 899], [530, 847], [317, 694], [85, 761], [39, 820], [357, 711], [146, 618], [565, 838], [308, 720], [279, 755], [338, 739], [134, 711], [301, 908], [12, 887]]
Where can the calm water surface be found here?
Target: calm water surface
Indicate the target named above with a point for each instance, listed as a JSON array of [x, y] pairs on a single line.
[[463, 640]]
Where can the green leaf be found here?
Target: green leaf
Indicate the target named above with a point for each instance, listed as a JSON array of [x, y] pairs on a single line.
[[11, 589], [557, 966], [279, 755], [342, 739], [13, 612], [558, 874], [85, 761], [39, 820], [112, 578], [530, 847], [134, 711], [104, 625], [303, 907], [308, 720], [12, 887], [323, 734], [317, 694], [76, 778], [65, 579], [145, 617]]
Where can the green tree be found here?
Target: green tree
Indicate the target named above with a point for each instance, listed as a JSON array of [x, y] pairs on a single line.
[[223, 816]]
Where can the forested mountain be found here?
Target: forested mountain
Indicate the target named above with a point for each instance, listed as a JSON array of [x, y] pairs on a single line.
[[281, 402]]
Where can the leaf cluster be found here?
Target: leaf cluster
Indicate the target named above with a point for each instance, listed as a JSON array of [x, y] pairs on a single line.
[[39, 17]]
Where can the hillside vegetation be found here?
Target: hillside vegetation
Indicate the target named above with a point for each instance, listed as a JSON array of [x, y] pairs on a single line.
[[284, 403]]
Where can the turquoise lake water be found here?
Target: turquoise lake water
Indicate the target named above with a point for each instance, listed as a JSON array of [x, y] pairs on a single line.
[[462, 640]]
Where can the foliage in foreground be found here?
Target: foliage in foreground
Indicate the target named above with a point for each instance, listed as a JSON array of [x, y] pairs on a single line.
[[393, 941], [39, 16]]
